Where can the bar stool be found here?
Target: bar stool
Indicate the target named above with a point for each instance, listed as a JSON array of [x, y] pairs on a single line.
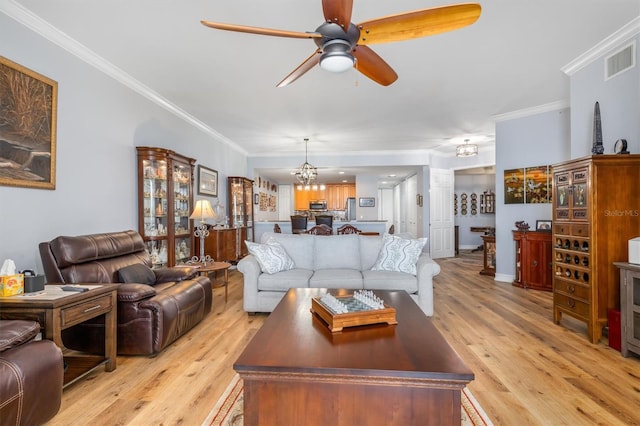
[[298, 224]]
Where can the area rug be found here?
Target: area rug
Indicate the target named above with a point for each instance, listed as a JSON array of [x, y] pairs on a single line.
[[228, 409]]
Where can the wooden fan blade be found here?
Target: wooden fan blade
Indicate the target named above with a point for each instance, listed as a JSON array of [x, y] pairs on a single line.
[[420, 23], [258, 30], [338, 12], [373, 66], [308, 63]]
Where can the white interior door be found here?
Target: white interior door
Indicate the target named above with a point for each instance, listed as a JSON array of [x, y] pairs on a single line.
[[411, 206], [284, 202], [441, 210]]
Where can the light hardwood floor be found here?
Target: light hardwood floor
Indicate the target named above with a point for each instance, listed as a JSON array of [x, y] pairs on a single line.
[[528, 371]]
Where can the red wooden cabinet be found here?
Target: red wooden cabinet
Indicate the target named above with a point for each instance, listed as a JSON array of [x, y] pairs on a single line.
[[534, 260]]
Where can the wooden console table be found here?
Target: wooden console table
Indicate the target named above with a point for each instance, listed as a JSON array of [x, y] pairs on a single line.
[[58, 313]]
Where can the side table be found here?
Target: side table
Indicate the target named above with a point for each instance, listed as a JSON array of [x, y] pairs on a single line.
[[57, 310], [208, 267]]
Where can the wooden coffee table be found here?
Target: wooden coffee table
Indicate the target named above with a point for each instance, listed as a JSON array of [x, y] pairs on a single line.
[[296, 371]]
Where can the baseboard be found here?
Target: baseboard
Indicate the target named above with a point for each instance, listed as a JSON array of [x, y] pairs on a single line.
[[506, 278]]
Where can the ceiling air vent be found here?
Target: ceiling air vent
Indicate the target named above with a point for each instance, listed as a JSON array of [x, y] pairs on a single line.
[[621, 61]]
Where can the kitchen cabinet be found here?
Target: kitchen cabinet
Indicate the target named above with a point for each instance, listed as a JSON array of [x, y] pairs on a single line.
[[165, 199], [334, 194], [304, 196], [596, 201]]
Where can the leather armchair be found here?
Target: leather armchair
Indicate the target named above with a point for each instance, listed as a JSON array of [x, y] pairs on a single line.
[[31, 375], [155, 307]]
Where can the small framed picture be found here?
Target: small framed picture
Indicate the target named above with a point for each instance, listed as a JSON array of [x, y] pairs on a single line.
[[207, 181], [543, 225], [367, 202], [256, 198]]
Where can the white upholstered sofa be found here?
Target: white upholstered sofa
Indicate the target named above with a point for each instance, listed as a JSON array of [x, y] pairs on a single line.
[[335, 261]]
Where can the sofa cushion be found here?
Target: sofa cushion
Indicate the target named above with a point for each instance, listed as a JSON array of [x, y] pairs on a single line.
[[390, 280], [370, 246], [337, 252], [336, 278], [283, 281], [137, 273], [399, 254], [298, 246], [271, 256]]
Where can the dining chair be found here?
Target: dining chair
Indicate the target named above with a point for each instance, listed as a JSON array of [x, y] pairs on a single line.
[[298, 224], [348, 229], [321, 229], [324, 220]]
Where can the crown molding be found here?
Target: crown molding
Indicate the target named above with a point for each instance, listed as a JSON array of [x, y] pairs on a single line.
[[27, 18], [625, 33], [526, 112]]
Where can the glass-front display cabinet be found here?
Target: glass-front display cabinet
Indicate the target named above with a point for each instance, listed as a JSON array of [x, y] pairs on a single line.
[[241, 207], [165, 199]]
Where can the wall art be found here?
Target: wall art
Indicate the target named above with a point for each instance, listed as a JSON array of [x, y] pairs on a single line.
[[28, 113]]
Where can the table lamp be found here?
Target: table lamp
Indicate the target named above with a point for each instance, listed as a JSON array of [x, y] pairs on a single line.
[[202, 211]]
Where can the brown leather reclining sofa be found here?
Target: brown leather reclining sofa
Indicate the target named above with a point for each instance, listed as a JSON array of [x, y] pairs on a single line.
[[31, 374], [155, 307]]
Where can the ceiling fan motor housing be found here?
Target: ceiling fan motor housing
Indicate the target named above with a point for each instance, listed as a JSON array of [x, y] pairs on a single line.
[[336, 46]]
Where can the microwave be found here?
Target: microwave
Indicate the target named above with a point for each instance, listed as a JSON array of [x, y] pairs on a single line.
[[317, 205]]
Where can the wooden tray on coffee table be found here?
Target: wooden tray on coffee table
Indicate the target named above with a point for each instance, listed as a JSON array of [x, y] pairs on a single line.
[[336, 322]]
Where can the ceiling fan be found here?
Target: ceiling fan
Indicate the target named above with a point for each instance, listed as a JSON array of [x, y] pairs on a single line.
[[343, 44]]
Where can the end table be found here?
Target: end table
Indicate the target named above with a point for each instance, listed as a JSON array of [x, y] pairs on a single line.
[[57, 310], [208, 267]]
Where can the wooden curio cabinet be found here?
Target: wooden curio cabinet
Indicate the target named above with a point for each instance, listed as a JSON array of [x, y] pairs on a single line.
[[165, 199], [533, 260], [489, 255], [596, 210], [240, 198]]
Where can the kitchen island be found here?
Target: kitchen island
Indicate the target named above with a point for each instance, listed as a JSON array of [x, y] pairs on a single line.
[[379, 226]]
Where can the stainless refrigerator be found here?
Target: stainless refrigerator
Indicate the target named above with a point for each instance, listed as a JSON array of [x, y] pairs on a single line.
[[350, 209]]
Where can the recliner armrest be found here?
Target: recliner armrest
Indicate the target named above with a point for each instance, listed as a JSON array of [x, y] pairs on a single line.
[[135, 292], [175, 273]]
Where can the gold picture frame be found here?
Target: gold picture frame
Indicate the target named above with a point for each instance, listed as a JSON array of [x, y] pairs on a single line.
[[28, 112]]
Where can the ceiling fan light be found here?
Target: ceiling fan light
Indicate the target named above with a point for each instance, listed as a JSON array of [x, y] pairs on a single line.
[[336, 56]]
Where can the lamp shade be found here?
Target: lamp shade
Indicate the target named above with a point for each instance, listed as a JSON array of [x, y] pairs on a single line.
[[203, 210]]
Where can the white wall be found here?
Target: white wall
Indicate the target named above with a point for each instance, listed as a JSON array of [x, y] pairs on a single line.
[[619, 100], [366, 187], [473, 184], [537, 140], [100, 122]]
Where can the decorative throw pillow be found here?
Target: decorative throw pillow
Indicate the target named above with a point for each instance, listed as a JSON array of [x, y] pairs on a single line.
[[271, 256], [399, 254], [137, 273]]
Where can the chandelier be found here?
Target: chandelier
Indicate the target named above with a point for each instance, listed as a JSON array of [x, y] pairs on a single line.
[[306, 173], [466, 150]]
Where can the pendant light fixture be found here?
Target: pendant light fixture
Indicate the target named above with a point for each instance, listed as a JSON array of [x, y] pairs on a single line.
[[466, 150], [306, 173]]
